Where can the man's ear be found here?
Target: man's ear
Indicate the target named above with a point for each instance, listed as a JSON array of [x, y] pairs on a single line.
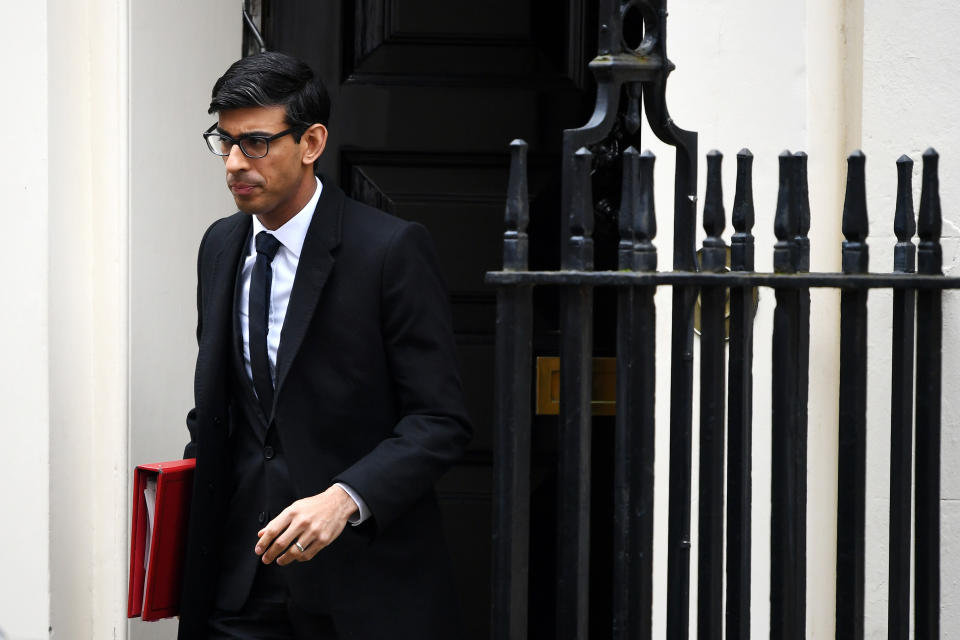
[[312, 143]]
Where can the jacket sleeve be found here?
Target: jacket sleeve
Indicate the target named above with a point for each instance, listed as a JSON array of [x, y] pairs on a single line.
[[190, 451], [433, 429]]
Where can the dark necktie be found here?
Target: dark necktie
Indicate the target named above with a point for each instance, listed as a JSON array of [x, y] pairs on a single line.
[[259, 316]]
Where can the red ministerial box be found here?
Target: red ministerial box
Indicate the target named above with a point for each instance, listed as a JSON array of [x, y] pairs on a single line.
[[157, 551]]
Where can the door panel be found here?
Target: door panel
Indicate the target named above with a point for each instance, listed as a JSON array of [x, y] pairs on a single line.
[[426, 98], [460, 42]]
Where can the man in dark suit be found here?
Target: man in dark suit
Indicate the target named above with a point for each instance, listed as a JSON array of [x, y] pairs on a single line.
[[327, 402]]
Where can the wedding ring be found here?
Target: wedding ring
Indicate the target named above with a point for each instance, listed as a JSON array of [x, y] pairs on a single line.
[[299, 546]]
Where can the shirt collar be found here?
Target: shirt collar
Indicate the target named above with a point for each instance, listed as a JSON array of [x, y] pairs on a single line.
[[294, 231]]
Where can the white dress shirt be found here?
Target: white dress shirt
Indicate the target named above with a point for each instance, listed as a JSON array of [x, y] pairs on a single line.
[[291, 236]]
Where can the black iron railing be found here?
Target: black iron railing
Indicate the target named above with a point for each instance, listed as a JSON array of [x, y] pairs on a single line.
[[636, 283], [626, 74]]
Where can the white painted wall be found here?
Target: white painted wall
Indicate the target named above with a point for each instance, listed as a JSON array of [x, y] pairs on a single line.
[[826, 77], [64, 400], [176, 190], [88, 316], [177, 50], [910, 95], [109, 191], [764, 76], [24, 381]]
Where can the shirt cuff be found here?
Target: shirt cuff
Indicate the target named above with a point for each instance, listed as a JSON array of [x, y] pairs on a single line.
[[363, 512]]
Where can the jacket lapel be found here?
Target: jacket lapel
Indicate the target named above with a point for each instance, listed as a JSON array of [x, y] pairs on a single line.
[[247, 399], [236, 349], [316, 263]]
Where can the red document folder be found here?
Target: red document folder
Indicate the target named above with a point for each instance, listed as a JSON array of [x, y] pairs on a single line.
[[155, 574]]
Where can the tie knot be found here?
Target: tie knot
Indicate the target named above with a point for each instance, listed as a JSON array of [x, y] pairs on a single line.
[[267, 244]]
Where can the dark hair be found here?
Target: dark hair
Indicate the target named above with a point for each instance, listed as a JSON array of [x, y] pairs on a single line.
[[273, 79]]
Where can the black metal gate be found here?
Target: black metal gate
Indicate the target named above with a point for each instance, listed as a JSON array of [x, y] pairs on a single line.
[[632, 66]]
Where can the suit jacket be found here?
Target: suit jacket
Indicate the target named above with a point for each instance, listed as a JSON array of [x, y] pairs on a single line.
[[367, 393]]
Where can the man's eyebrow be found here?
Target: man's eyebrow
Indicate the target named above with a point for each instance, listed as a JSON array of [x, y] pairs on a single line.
[[265, 134]]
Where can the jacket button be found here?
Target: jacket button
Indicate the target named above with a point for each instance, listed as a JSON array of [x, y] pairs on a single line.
[[210, 488], [262, 517], [268, 452], [216, 420], [203, 551]]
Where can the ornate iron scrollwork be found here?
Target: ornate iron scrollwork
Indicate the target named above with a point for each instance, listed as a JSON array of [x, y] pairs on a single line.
[[632, 65], [253, 41]]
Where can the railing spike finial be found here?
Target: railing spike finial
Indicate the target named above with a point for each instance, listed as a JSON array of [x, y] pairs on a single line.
[[783, 224], [930, 221], [714, 219], [581, 210], [904, 224], [802, 194], [517, 214], [580, 242], [855, 225], [743, 213], [629, 206], [801, 198], [929, 354], [645, 222], [741, 243], [784, 221]]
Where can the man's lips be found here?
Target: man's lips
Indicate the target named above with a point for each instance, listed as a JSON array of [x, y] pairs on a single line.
[[242, 188]]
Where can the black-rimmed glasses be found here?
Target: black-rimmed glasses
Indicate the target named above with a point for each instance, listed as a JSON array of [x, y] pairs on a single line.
[[252, 146]]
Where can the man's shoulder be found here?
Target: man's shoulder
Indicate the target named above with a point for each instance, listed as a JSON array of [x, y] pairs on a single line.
[[218, 231], [362, 216], [368, 227], [224, 226]]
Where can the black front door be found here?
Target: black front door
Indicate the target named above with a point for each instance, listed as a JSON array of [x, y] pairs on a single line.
[[427, 96]]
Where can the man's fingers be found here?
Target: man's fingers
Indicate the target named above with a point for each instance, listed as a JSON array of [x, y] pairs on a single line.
[[312, 542], [283, 548], [277, 536], [267, 536], [310, 552], [314, 522], [300, 553], [280, 545]]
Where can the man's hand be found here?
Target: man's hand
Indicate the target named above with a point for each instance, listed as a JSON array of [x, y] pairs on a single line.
[[314, 522]]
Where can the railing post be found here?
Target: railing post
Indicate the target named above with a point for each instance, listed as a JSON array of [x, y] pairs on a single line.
[[511, 460], [787, 553], [929, 354], [576, 376], [635, 428], [801, 204], [712, 390], [852, 453], [901, 409], [681, 397], [740, 409], [626, 422]]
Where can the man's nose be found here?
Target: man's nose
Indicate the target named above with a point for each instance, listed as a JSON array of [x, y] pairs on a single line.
[[236, 160]]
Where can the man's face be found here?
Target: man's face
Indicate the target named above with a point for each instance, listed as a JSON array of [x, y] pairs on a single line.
[[277, 186]]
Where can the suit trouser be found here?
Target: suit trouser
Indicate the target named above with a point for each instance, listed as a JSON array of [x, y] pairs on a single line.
[[269, 614]]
